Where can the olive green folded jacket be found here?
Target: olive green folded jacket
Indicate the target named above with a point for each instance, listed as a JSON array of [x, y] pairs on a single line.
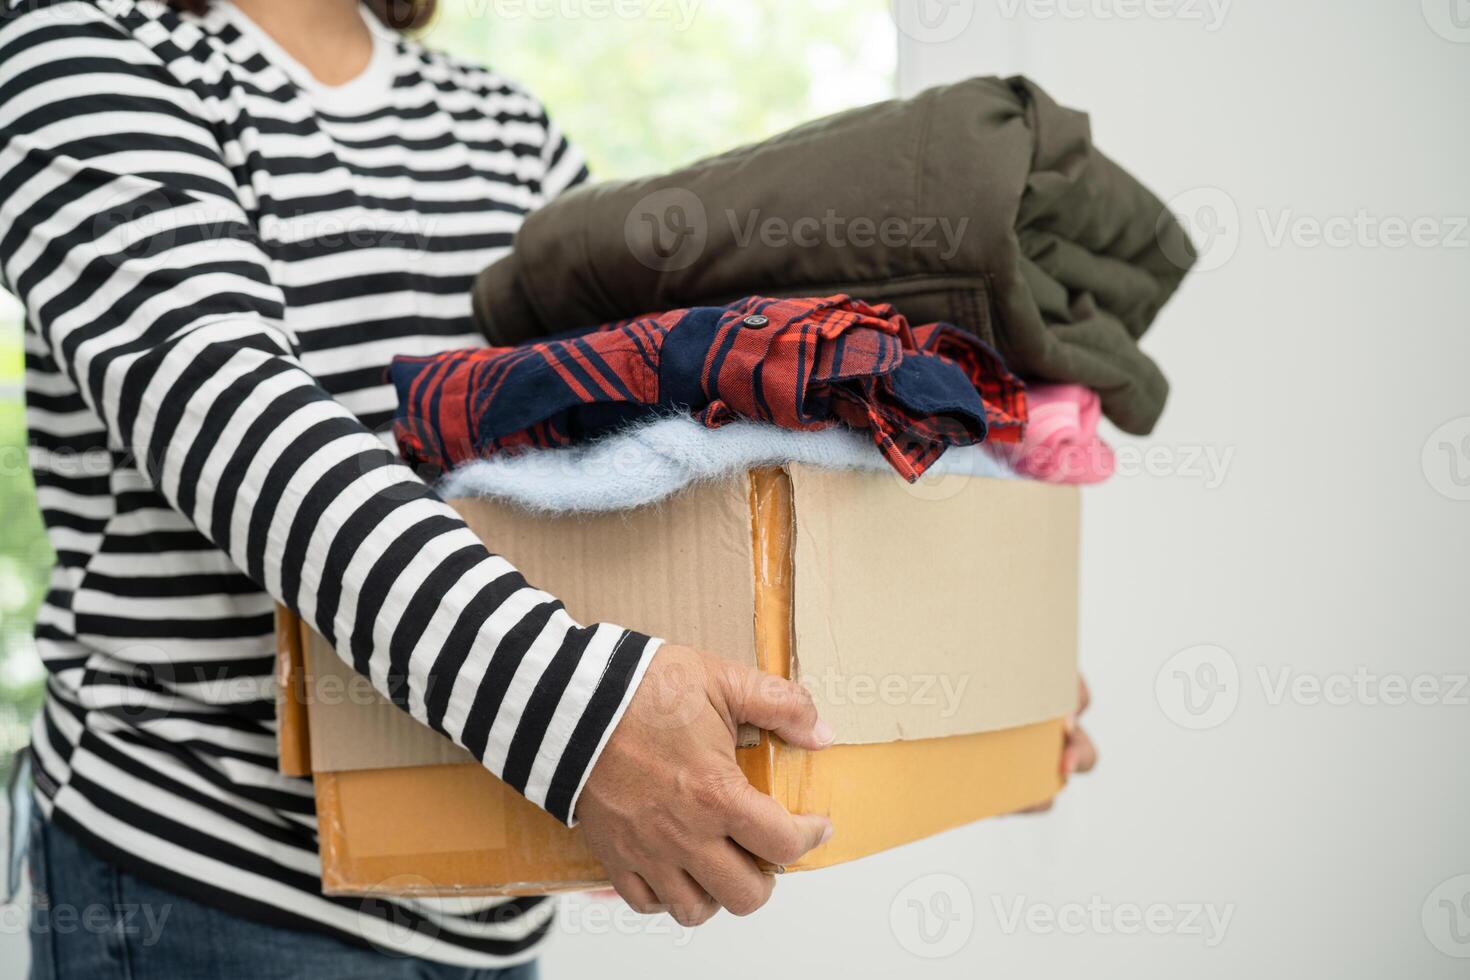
[[983, 204]]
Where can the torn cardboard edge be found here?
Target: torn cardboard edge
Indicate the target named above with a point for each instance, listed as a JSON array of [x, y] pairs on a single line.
[[293, 739]]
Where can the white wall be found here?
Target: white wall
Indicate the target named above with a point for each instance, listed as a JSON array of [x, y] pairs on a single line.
[[1321, 543], [1316, 376]]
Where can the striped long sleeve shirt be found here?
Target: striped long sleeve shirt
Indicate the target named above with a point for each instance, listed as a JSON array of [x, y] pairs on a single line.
[[218, 256]]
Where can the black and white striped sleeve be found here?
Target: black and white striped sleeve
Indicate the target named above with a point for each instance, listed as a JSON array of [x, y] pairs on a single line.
[[125, 236], [565, 167], [561, 164]]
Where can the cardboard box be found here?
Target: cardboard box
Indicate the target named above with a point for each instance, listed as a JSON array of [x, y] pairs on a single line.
[[935, 626]]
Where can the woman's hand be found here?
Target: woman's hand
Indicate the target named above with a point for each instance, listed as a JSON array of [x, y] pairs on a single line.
[[1079, 754], [667, 810]]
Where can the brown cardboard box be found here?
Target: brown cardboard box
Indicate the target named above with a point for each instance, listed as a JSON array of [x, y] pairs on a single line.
[[935, 626]]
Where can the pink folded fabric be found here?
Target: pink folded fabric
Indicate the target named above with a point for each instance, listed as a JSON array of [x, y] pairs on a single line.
[[1061, 444]]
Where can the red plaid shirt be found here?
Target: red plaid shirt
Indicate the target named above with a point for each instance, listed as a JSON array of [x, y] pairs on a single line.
[[796, 363]]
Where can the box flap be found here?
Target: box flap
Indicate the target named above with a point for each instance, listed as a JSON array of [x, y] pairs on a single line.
[[939, 609], [458, 831], [443, 831], [680, 570]]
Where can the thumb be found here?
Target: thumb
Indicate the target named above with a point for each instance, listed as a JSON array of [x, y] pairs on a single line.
[[775, 704]]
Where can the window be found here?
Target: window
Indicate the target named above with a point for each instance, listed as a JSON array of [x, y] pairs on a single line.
[[646, 85], [641, 85], [25, 557]]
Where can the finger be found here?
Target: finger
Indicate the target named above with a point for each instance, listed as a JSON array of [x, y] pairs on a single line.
[[1080, 755], [1084, 696], [635, 892], [766, 829], [775, 704], [731, 878], [680, 895]]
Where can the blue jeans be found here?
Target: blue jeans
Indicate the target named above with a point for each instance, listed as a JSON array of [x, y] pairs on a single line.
[[93, 921]]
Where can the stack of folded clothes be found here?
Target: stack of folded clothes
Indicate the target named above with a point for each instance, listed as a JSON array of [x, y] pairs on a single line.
[[1059, 264], [787, 368]]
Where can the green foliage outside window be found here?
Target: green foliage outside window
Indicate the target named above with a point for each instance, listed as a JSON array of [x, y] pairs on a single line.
[[25, 557], [645, 85]]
